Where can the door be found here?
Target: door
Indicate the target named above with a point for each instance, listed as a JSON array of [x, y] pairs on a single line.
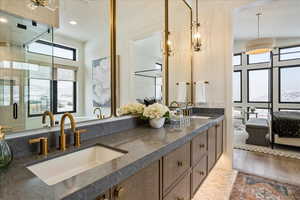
[[211, 147], [144, 185], [12, 100]]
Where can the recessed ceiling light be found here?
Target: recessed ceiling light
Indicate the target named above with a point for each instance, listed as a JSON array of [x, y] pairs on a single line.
[[72, 22], [3, 20]]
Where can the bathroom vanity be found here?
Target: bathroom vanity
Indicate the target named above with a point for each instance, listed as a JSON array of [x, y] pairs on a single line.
[[153, 164]]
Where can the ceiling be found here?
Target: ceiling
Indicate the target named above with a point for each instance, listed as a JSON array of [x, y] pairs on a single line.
[[280, 19]]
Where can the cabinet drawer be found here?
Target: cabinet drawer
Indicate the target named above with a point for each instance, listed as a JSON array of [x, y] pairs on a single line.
[[181, 191], [211, 147], [219, 139], [199, 173], [175, 164], [199, 147]]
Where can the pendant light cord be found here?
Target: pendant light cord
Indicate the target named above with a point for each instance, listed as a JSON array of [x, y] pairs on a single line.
[[197, 17], [258, 24]]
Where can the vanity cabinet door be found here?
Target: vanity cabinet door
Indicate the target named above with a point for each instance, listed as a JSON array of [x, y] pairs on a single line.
[[175, 164], [199, 147], [181, 191], [219, 128], [104, 196], [211, 147], [144, 185], [199, 173]]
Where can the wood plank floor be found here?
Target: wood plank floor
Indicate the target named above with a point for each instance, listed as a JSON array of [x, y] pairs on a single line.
[[278, 168]]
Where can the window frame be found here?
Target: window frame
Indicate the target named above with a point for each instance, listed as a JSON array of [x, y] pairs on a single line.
[[258, 62], [248, 91], [280, 109], [58, 46], [241, 88], [51, 99], [287, 47], [241, 59], [55, 99], [279, 83]]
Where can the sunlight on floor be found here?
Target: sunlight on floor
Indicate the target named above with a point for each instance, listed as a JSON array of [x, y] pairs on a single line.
[[217, 185]]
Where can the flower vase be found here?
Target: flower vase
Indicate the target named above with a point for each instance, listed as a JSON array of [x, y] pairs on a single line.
[[157, 123]]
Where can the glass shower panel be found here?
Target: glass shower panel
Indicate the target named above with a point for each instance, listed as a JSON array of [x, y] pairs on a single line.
[[17, 68]]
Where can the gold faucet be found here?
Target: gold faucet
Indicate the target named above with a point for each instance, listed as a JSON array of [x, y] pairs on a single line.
[[51, 116], [99, 116], [62, 138]]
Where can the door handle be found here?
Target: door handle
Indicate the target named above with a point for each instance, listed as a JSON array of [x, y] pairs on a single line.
[[15, 111]]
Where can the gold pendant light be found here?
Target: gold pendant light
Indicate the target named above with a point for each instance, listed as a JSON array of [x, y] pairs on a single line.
[[196, 31], [259, 45]]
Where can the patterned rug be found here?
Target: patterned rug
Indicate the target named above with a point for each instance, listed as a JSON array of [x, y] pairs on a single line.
[[250, 187]]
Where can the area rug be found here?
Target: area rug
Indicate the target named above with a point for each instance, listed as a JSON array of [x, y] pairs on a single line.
[[250, 187]]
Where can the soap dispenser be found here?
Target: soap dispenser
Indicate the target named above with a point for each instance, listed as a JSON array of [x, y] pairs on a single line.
[[5, 152]]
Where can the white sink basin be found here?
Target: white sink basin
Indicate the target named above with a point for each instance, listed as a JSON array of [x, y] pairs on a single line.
[[58, 169], [200, 117]]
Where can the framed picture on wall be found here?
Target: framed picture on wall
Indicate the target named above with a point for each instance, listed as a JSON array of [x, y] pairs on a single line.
[[101, 82]]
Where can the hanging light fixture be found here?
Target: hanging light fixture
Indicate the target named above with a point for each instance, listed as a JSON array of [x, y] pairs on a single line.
[[259, 45], [49, 4], [196, 31]]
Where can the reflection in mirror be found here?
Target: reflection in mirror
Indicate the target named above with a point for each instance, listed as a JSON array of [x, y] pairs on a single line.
[[83, 79], [180, 63], [22, 73], [139, 41], [64, 70]]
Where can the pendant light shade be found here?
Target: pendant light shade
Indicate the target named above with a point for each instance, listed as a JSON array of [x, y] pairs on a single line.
[[197, 43], [259, 45]]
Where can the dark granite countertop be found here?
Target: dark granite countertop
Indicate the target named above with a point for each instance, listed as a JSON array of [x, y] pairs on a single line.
[[143, 144]]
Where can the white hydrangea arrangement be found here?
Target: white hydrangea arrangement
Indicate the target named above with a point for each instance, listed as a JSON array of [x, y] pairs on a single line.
[[156, 111], [132, 109]]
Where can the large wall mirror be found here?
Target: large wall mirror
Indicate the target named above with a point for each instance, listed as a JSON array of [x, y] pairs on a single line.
[[58, 69], [141, 53], [180, 58], [139, 33], [67, 67]]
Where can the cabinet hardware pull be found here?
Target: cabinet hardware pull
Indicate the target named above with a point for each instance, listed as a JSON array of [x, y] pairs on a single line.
[[201, 173], [102, 197], [179, 163], [179, 198], [202, 146], [118, 192]]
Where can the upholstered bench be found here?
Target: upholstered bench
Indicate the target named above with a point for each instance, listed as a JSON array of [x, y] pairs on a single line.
[[258, 130]]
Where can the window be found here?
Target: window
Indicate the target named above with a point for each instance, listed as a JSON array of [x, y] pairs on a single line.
[[258, 85], [39, 96], [64, 90], [289, 109], [39, 86], [5, 92], [237, 60], [259, 58], [237, 86], [289, 53], [289, 84], [49, 49]]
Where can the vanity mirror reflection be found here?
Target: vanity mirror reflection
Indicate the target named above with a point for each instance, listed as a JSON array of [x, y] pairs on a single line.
[[57, 69], [143, 70]]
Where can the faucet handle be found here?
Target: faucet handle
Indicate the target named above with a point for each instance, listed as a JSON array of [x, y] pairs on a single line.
[[77, 135], [43, 144]]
